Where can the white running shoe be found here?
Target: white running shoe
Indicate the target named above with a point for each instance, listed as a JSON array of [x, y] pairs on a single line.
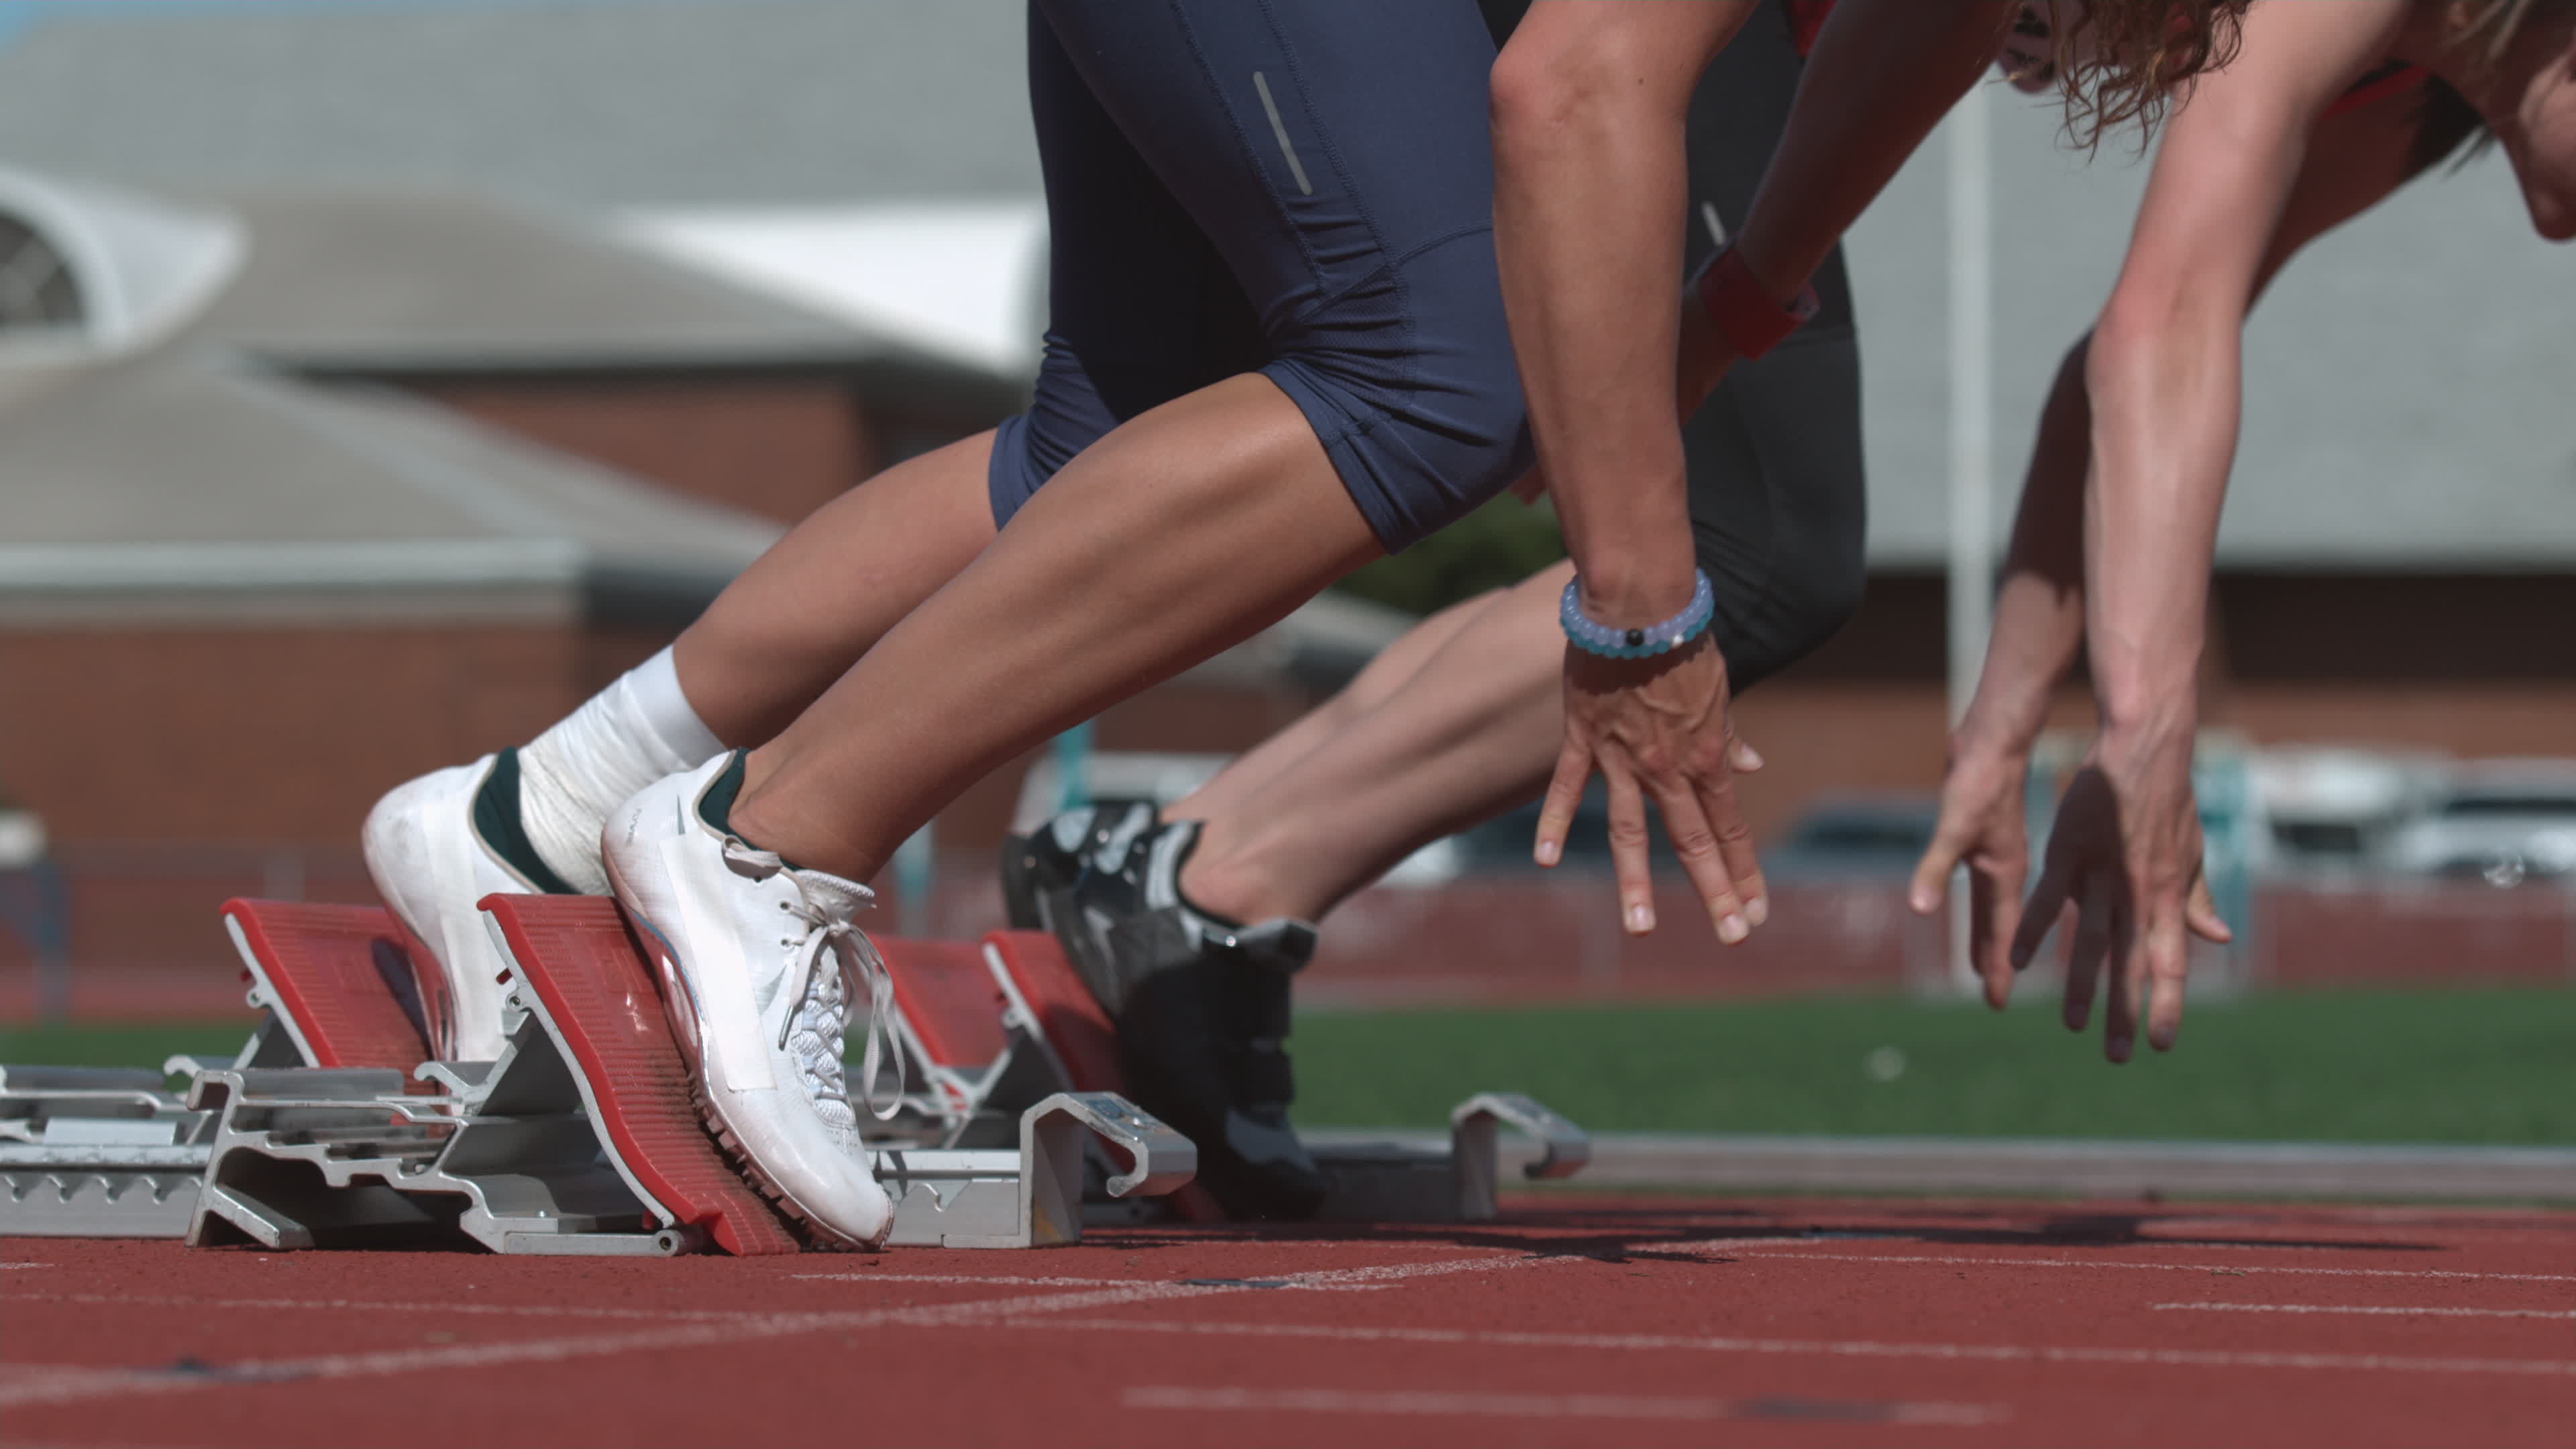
[[431, 866], [754, 958]]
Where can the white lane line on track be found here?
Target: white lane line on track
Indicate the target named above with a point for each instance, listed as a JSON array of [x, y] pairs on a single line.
[[1001, 1279], [2391, 1311], [1963, 1260], [1011, 1281], [1439, 1403], [373, 1305], [28, 1384], [1828, 1347]]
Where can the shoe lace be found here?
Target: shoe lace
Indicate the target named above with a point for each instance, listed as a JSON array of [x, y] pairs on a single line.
[[832, 951]]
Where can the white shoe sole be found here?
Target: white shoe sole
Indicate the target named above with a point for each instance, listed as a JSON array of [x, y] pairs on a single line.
[[680, 1008]]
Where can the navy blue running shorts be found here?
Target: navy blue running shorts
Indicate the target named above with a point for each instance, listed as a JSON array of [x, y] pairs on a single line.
[[1302, 188]]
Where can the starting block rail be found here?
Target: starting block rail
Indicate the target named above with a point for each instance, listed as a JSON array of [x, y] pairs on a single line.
[[1377, 1182], [114, 1152], [333, 1127], [97, 1152]]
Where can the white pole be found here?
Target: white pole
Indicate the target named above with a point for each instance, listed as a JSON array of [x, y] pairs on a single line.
[[1971, 562]]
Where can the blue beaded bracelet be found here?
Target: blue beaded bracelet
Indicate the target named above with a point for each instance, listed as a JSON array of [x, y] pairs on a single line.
[[1643, 643]]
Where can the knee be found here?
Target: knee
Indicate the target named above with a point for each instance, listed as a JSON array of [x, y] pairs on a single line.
[[1815, 589], [1834, 598], [1825, 589]]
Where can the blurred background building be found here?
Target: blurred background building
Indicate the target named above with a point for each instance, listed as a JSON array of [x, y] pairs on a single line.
[[378, 378]]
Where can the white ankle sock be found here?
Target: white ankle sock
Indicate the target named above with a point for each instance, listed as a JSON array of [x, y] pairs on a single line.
[[627, 736]]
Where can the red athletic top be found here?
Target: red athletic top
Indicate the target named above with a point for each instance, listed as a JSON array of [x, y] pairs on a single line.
[[2395, 78], [1806, 17]]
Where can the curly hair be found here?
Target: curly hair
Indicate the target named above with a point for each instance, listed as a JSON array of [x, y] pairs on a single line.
[[2124, 59], [2490, 27]]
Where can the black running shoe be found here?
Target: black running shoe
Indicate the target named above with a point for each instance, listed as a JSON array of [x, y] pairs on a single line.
[[1200, 1002]]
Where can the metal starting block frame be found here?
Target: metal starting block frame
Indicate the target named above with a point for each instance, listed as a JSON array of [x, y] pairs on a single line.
[[97, 1152], [1382, 1182], [1051, 1030], [115, 1152], [583, 1137], [329, 1129]]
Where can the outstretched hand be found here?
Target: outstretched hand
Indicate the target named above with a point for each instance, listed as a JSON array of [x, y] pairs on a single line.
[[1982, 827], [1659, 727], [2125, 853]]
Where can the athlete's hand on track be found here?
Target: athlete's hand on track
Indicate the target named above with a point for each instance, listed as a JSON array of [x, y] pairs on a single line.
[[1982, 827], [1659, 727], [2125, 852]]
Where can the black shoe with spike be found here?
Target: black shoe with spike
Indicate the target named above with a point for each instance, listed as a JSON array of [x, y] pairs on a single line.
[[1201, 1003]]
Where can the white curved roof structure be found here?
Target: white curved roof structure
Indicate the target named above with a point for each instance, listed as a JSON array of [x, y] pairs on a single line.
[[86, 267], [962, 279]]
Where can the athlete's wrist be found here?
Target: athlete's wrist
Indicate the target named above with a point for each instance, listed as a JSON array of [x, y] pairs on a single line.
[[1628, 589], [1705, 356], [1663, 636], [1749, 310], [1991, 727], [2134, 722]]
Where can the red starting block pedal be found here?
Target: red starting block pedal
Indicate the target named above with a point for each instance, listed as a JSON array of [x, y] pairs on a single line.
[[602, 1009], [1047, 998], [339, 979], [948, 1015]]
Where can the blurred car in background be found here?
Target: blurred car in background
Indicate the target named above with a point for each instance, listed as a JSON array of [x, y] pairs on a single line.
[[2339, 808], [2506, 822]]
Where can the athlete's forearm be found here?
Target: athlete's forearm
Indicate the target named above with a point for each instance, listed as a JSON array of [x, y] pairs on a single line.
[[1589, 101], [2166, 393], [2039, 612], [2166, 370], [1883, 74]]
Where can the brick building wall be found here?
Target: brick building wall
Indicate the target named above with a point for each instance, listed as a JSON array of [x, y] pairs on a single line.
[[272, 733], [779, 446], [288, 733]]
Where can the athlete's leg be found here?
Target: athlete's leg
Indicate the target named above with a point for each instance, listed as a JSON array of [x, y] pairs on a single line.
[[771, 641], [531, 818], [778, 636], [1141, 312], [1389, 408], [1027, 640], [1473, 732], [1333, 154], [1385, 676]]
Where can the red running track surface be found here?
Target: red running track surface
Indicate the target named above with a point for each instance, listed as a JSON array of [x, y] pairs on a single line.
[[1574, 1320]]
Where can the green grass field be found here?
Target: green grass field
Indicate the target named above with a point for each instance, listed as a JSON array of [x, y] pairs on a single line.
[[2388, 1066]]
